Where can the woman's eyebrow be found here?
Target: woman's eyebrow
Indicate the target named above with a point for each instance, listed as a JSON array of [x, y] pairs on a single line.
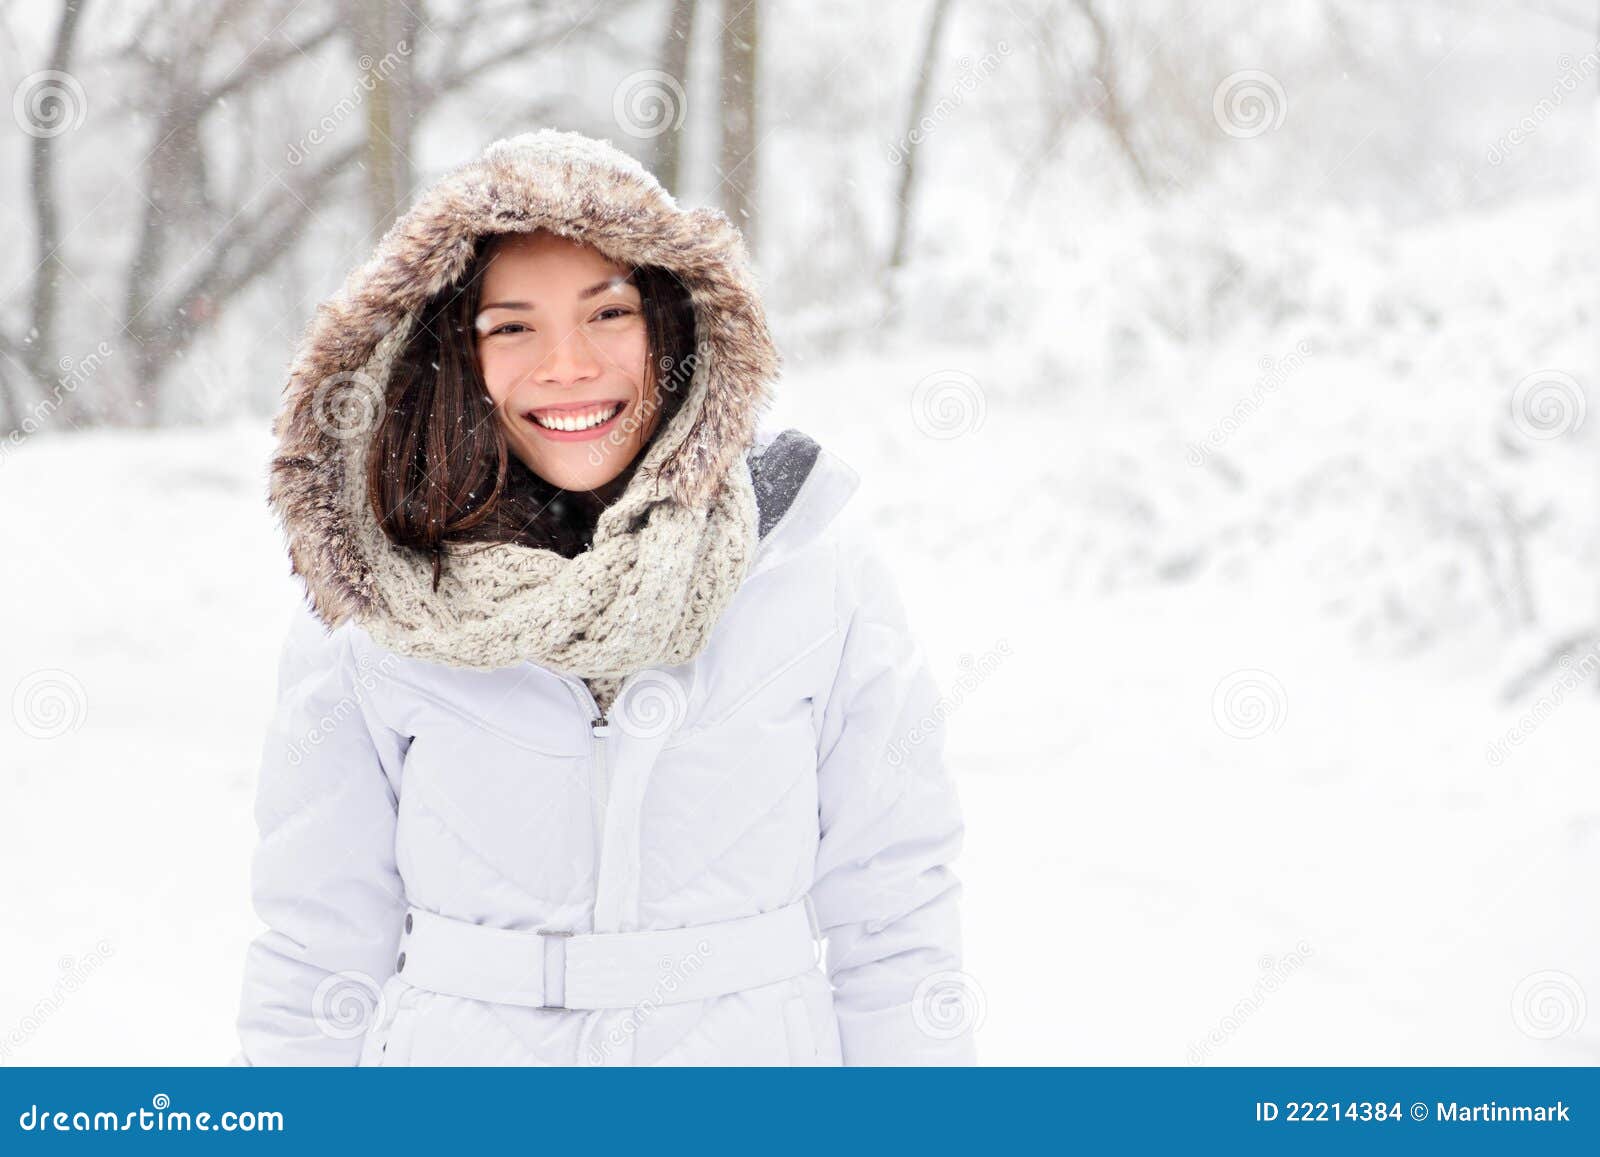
[[583, 295]]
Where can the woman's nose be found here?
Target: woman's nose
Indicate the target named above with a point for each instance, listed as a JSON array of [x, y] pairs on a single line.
[[572, 359]]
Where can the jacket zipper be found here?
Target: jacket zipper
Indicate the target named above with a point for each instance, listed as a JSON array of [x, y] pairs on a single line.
[[599, 731]]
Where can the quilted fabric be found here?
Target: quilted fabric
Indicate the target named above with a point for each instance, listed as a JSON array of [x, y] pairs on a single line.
[[389, 781], [797, 753]]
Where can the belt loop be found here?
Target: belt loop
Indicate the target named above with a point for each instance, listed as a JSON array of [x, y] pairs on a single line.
[[816, 927], [555, 968]]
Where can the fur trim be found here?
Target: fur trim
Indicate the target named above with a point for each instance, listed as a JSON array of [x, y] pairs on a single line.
[[575, 186]]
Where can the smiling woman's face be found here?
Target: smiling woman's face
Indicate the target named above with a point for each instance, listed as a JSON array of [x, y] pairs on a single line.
[[564, 351]]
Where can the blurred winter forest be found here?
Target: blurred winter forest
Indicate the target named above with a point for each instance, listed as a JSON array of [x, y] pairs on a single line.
[[1225, 366], [1129, 216]]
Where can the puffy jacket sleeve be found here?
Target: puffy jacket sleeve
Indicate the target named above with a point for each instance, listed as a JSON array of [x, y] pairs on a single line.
[[885, 895], [323, 876]]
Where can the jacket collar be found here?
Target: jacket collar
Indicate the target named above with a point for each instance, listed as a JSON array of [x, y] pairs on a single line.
[[800, 489]]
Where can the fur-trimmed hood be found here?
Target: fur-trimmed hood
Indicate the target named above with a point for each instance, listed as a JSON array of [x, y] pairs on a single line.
[[580, 188]]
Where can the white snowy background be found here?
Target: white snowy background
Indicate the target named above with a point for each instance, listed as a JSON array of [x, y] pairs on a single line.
[[1229, 424]]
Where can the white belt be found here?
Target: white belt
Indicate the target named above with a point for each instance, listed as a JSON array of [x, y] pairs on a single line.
[[606, 969]]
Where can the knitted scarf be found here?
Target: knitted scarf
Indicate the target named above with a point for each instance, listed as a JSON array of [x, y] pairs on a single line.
[[667, 556], [647, 593]]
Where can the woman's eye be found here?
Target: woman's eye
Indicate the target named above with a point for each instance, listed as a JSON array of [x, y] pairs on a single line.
[[613, 311], [508, 327]]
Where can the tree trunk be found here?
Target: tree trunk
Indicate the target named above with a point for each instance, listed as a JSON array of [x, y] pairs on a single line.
[[385, 38], [675, 46], [908, 162], [1114, 111], [739, 164], [10, 405], [146, 321], [49, 269]]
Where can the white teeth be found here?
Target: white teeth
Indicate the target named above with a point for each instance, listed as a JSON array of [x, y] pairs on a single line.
[[572, 422]]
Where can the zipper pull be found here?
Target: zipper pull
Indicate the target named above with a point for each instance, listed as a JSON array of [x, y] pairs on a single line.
[[599, 728]]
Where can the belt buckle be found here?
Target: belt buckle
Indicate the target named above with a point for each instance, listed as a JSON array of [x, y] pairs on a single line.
[[553, 984]]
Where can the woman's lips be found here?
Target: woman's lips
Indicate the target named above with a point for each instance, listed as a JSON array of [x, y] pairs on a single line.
[[571, 408]]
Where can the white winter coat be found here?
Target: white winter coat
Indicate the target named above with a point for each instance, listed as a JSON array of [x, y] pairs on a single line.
[[799, 751], [806, 761]]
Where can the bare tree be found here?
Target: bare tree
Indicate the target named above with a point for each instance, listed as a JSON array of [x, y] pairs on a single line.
[[165, 308], [914, 113], [10, 403], [203, 237], [1112, 106], [739, 163], [49, 270], [1076, 89], [390, 106], [675, 45]]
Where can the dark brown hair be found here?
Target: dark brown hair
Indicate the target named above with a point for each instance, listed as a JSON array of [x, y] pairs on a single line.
[[440, 471]]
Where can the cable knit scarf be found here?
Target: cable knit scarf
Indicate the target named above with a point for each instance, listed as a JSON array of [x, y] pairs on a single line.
[[666, 557]]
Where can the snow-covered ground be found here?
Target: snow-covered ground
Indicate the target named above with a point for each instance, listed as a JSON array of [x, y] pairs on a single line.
[[1225, 715]]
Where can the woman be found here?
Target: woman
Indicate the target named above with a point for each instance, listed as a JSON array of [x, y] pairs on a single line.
[[603, 717]]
